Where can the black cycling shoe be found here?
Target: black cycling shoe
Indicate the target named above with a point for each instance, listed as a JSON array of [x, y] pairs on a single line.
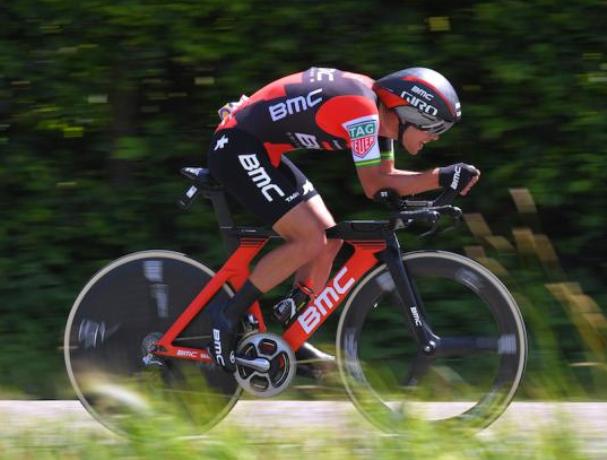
[[313, 363], [223, 343], [286, 310]]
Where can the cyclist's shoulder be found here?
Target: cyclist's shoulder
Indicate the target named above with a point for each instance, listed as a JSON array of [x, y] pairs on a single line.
[[339, 82], [330, 82], [349, 98], [335, 96]]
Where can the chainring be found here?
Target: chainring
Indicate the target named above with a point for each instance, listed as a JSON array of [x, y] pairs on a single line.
[[265, 365]]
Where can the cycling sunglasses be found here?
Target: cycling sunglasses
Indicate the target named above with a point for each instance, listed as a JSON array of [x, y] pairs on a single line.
[[437, 128], [422, 122]]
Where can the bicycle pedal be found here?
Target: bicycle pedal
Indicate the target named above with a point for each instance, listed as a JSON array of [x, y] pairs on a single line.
[[151, 360]]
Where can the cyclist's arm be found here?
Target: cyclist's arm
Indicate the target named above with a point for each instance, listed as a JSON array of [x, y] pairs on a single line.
[[385, 175], [374, 158], [379, 172]]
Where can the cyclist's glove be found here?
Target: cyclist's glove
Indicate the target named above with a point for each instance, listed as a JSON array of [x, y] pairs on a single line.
[[457, 176]]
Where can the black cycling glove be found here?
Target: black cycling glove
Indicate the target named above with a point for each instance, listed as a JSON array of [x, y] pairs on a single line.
[[457, 176]]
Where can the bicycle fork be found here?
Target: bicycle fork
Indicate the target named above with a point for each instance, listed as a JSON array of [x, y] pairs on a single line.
[[410, 301]]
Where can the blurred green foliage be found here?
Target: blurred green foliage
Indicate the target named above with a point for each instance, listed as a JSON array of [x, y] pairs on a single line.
[[102, 102], [558, 436]]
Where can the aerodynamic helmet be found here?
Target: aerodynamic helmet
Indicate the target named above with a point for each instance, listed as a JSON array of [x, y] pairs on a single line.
[[421, 97]]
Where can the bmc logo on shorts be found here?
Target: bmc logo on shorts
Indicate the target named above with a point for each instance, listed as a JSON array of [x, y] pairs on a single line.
[[259, 176]]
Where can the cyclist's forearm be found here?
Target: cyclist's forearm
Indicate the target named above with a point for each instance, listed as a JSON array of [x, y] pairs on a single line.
[[410, 182]]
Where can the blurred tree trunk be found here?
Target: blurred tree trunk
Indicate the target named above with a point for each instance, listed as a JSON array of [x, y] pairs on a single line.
[[123, 100]]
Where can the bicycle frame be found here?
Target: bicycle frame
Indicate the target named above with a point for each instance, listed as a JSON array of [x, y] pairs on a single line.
[[372, 244], [376, 277], [236, 271]]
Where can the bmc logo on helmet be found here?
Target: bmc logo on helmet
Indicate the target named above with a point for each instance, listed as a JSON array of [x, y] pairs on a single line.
[[420, 105], [423, 93]]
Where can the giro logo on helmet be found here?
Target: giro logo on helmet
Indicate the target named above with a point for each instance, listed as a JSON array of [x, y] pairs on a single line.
[[420, 105]]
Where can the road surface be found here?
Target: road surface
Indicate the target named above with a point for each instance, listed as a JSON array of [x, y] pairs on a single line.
[[587, 420]]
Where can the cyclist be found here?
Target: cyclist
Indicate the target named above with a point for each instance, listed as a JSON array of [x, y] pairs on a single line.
[[325, 109]]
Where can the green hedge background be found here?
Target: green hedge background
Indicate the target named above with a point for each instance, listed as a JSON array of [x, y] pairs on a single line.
[[101, 102]]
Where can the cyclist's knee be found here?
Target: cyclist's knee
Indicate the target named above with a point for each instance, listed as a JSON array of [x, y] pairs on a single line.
[[315, 243], [305, 229], [333, 246]]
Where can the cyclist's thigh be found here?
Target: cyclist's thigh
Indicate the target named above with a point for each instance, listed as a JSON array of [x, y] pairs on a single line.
[[309, 193], [303, 222], [313, 200], [242, 165]]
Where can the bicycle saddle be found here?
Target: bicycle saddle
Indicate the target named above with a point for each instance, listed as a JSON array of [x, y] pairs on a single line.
[[201, 177]]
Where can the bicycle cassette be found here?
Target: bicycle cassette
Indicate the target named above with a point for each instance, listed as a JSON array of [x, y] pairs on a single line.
[[265, 364]]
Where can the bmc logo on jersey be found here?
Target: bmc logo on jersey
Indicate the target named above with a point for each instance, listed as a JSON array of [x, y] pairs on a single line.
[[362, 136], [295, 105]]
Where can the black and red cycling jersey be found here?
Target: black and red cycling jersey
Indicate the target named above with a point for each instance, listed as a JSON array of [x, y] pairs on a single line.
[[319, 108]]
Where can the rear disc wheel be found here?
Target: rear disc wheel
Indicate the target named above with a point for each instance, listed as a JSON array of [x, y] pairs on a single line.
[[118, 316]]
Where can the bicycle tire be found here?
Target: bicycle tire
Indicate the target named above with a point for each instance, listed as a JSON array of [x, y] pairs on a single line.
[[371, 363], [130, 300]]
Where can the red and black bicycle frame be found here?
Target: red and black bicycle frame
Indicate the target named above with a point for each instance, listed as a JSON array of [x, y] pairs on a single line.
[[373, 242]]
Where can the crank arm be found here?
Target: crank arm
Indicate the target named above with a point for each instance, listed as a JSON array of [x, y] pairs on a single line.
[[258, 364]]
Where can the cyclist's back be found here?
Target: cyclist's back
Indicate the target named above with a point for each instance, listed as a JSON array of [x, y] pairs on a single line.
[[311, 109]]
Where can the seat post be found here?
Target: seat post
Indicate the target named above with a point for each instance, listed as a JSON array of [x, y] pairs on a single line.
[[224, 218], [202, 181]]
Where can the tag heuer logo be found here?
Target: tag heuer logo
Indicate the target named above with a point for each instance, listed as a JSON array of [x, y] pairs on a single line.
[[363, 137], [363, 129]]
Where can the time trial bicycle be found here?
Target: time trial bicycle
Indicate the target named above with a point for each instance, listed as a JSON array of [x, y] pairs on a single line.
[[418, 328]]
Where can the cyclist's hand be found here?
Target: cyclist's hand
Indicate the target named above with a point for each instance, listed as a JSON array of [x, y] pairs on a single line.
[[460, 177]]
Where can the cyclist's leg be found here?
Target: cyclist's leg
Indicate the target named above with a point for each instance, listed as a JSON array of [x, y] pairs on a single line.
[[303, 229], [312, 276], [315, 273], [274, 194]]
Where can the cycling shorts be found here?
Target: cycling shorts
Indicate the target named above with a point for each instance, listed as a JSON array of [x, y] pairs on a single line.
[[241, 163]]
